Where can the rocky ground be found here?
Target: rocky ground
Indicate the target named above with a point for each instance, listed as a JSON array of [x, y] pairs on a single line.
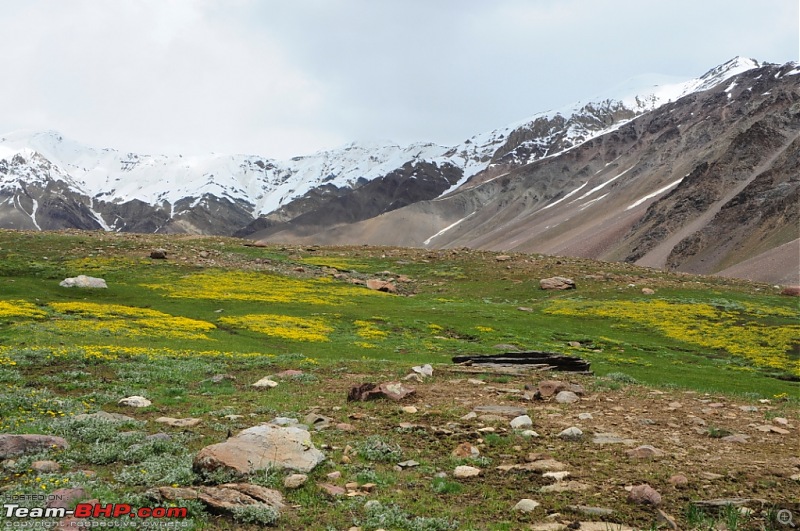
[[542, 451]]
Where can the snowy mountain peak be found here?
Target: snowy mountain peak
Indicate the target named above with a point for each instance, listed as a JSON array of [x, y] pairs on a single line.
[[260, 185]]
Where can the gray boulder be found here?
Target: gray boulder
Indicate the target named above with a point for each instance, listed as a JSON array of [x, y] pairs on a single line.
[[261, 448]]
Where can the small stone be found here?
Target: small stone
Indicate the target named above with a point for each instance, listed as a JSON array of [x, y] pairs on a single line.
[[571, 434], [233, 417], [408, 464], [526, 505], [424, 370], [288, 373], [710, 476], [351, 485], [134, 401], [529, 433], [295, 481], [645, 451], [265, 383], [561, 486], [557, 283], [408, 409], [585, 416], [334, 475], [567, 397], [45, 467], [179, 423], [781, 431], [332, 490], [548, 388], [558, 476], [748, 409], [464, 471], [465, 450], [644, 494], [739, 438], [523, 421], [344, 426], [591, 511], [781, 420], [679, 481], [648, 291], [475, 381]]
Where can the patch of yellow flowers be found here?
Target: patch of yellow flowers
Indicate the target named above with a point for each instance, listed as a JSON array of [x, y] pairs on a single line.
[[283, 326], [263, 287], [735, 331], [127, 321], [20, 309]]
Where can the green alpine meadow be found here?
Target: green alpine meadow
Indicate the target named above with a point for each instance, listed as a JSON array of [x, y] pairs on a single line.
[[689, 418]]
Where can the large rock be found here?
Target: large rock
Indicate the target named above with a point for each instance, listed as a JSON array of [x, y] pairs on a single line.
[[82, 281], [14, 445], [370, 391], [558, 283], [381, 285], [134, 401], [261, 448]]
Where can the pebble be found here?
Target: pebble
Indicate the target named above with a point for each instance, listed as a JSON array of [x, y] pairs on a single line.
[[571, 434], [567, 397], [644, 494], [134, 401], [295, 481], [464, 471], [523, 421], [526, 505]]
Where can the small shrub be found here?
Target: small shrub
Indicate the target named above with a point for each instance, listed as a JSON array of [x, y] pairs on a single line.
[[375, 449], [158, 470], [445, 486], [255, 514], [621, 377]]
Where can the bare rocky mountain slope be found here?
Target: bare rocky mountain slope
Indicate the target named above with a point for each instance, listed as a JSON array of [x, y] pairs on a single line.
[[698, 176], [706, 184]]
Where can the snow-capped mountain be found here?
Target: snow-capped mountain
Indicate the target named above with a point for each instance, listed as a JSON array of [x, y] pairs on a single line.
[[470, 194], [184, 193]]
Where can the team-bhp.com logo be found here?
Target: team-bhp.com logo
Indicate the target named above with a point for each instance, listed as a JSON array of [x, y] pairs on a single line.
[[87, 510]]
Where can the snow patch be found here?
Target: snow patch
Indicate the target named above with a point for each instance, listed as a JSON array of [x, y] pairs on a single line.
[[601, 186], [575, 191], [654, 194], [447, 228]]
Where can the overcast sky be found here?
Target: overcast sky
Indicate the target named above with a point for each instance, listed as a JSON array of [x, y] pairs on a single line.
[[283, 78]]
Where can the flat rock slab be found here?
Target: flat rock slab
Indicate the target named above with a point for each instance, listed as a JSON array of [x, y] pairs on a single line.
[[14, 445], [179, 423], [610, 438], [261, 448], [506, 411], [223, 498]]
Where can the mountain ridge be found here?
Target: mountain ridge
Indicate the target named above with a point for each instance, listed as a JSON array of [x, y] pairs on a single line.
[[49, 182]]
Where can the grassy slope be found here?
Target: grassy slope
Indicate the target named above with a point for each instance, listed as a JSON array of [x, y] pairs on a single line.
[[463, 302]]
